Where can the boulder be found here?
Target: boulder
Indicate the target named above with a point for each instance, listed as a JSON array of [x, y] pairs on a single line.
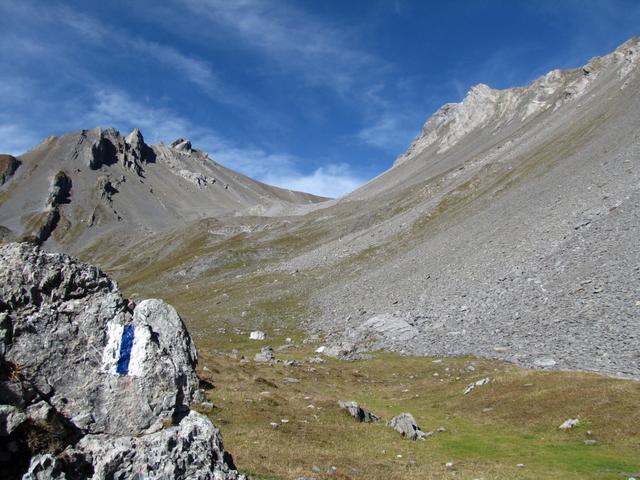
[[569, 424], [257, 335], [190, 450], [77, 364], [407, 426], [357, 412], [265, 355]]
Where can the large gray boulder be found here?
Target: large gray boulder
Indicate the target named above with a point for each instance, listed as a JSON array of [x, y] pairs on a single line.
[[406, 425], [191, 450], [79, 361]]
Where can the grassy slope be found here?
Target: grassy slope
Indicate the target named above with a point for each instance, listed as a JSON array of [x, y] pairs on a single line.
[[514, 420]]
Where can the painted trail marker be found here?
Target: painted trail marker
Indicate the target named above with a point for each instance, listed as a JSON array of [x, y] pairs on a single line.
[[126, 344], [126, 349]]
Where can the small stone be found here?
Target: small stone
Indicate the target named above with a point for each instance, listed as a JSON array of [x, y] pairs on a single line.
[[449, 465], [590, 442], [257, 335], [265, 355], [569, 424], [479, 383], [520, 465]]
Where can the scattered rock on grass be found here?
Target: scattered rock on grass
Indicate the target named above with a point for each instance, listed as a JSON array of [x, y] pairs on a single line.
[[357, 412], [569, 424], [473, 385], [406, 425], [257, 335], [265, 355]]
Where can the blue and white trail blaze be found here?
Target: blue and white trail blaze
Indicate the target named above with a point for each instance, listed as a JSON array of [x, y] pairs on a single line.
[[126, 349]]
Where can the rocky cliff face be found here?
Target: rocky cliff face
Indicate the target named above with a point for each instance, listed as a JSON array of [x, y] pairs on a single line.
[[92, 386]]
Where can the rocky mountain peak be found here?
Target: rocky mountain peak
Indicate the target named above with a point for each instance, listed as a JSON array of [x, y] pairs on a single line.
[[182, 145], [135, 139], [483, 105]]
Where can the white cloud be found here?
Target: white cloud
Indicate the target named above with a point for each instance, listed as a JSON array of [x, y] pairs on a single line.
[[15, 139], [329, 181]]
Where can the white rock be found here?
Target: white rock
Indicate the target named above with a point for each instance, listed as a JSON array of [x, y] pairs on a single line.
[[569, 423], [257, 335], [544, 362]]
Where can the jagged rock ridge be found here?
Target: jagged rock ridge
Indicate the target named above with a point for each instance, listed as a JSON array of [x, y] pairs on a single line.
[[119, 186]]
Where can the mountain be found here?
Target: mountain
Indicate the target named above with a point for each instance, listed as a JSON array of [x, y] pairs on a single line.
[[509, 229], [70, 190]]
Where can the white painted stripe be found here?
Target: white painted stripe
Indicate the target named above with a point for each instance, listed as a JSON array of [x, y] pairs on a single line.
[[111, 352], [141, 341]]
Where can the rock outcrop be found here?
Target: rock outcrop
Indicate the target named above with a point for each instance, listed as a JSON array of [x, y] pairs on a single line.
[[92, 386], [8, 166], [181, 145], [484, 105], [406, 425], [111, 147], [357, 412]]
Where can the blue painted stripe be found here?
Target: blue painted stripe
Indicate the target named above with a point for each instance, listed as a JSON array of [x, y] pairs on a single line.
[[126, 344]]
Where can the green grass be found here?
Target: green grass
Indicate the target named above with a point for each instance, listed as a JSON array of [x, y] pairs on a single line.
[[480, 443]]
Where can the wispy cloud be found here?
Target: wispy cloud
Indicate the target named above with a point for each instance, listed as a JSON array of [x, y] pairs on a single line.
[[389, 132], [16, 138], [89, 29], [317, 51]]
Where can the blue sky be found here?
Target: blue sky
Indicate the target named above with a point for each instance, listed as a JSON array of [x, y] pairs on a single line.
[[313, 95]]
